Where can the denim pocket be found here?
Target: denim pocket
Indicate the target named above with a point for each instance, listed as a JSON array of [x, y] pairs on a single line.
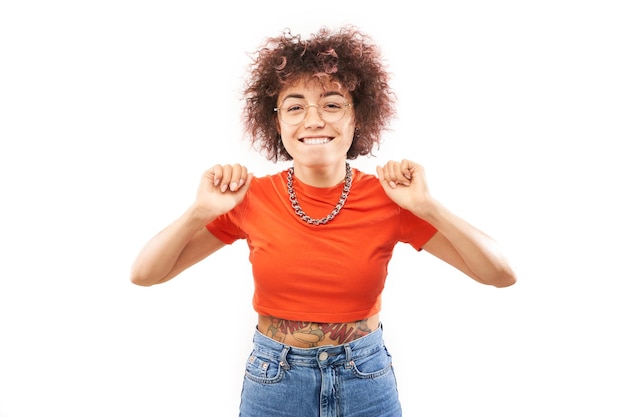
[[263, 369], [372, 366]]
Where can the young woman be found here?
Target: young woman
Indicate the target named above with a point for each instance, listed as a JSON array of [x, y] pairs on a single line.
[[320, 233]]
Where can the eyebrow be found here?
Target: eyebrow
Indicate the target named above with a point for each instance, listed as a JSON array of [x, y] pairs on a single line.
[[326, 94]]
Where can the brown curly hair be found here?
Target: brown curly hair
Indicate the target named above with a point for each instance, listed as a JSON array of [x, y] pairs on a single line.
[[346, 56]]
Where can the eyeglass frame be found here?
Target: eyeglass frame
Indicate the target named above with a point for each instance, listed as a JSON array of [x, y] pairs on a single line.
[[345, 107]]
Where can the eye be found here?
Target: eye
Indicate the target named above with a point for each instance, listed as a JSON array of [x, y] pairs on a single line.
[[332, 106], [293, 108]]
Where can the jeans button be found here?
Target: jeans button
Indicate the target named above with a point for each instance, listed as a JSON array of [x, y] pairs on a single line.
[[323, 356]]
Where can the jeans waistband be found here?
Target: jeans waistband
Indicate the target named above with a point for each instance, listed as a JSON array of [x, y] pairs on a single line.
[[329, 354]]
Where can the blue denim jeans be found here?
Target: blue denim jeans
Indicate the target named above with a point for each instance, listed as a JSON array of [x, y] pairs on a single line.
[[351, 380]]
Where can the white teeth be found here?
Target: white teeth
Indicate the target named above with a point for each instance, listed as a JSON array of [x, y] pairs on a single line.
[[315, 141]]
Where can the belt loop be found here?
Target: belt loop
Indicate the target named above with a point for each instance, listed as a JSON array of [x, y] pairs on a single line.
[[283, 358], [349, 361]]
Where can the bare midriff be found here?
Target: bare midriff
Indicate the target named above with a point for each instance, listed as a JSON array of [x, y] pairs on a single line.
[[306, 334]]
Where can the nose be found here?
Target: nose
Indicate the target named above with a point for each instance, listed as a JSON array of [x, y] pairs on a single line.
[[313, 118]]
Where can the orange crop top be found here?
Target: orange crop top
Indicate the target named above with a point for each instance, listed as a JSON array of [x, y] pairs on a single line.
[[329, 273]]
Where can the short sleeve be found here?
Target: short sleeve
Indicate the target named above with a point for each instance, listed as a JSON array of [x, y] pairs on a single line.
[[414, 230]]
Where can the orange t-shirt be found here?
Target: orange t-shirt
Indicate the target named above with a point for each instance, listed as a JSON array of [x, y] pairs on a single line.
[[334, 272]]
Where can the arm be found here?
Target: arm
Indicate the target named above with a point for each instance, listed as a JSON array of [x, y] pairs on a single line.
[[186, 241], [456, 242]]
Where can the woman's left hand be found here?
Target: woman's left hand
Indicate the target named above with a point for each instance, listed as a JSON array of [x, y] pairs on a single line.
[[456, 242], [405, 183]]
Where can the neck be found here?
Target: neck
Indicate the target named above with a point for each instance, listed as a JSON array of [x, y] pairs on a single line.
[[322, 177]]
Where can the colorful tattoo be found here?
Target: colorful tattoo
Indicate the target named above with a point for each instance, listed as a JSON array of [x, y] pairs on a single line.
[[315, 334]]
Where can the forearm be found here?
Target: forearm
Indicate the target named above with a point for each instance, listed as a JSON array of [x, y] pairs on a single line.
[[158, 258], [480, 255]]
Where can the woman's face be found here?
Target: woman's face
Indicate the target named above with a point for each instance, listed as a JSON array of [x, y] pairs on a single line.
[[316, 122]]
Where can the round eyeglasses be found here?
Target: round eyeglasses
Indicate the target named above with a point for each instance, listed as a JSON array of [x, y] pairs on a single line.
[[293, 112]]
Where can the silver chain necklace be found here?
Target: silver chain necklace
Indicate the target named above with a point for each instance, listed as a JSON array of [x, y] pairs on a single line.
[[342, 200]]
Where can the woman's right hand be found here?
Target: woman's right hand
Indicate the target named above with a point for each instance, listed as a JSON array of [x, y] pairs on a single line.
[[221, 188], [186, 241]]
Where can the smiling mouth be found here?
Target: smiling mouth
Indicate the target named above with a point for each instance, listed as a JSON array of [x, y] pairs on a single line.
[[315, 141]]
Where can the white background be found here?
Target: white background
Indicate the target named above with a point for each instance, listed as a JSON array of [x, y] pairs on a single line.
[[110, 111]]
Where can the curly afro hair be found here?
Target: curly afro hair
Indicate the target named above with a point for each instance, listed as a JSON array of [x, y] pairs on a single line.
[[346, 56]]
